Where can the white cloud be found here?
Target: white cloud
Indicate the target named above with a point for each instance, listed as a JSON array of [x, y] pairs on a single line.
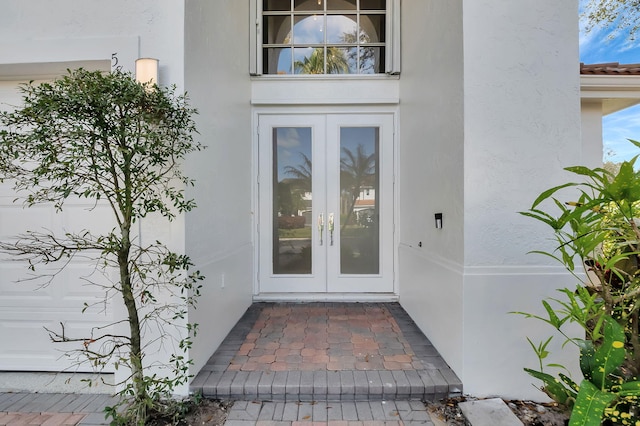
[[290, 139]]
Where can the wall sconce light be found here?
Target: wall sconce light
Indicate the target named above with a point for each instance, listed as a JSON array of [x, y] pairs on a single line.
[[147, 70], [438, 220]]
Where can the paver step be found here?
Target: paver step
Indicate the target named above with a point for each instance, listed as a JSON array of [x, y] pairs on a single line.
[[429, 385], [247, 413], [405, 364]]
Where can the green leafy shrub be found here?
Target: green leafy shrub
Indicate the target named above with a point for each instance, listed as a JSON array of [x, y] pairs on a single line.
[[598, 237], [291, 222]]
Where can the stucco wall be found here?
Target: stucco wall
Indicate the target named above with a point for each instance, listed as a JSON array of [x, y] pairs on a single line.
[[431, 172], [490, 115], [591, 112], [64, 30], [219, 232], [522, 119], [522, 127]]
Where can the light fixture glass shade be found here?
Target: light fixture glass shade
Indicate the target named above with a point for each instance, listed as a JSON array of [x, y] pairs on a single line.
[[147, 70]]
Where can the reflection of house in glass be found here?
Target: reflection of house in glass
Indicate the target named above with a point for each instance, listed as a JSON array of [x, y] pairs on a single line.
[[306, 210], [365, 206], [292, 230]]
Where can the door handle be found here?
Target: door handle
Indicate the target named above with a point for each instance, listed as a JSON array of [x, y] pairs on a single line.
[[320, 226], [330, 223]]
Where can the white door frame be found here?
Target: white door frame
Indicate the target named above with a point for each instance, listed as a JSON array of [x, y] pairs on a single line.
[[391, 112]]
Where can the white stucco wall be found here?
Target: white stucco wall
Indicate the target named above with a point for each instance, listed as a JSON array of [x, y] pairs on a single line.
[[490, 115], [522, 119], [46, 31], [219, 231], [431, 172], [522, 127], [591, 113]]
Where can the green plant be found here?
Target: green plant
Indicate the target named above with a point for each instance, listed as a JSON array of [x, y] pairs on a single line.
[[599, 236], [107, 138]]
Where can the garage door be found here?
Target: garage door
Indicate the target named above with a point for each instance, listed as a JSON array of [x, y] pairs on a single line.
[[27, 307]]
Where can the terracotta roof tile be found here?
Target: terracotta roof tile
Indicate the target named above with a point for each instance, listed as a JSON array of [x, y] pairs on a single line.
[[611, 68]]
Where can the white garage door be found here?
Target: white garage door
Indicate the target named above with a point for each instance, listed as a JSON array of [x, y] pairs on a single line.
[[26, 307]]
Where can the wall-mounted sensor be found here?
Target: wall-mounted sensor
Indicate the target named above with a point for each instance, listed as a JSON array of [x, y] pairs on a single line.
[[438, 220]]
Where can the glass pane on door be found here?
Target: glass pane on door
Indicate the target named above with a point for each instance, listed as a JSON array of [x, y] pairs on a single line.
[[359, 200], [292, 200]]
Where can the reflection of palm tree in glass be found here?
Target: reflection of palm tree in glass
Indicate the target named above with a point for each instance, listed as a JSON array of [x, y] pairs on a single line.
[[367, 54], [356, 170], [301, 174], [314, 63]]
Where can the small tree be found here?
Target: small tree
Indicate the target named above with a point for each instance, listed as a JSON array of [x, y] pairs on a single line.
[[107, 138], [620, 15]]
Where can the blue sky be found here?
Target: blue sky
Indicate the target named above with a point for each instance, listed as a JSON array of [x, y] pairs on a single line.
[[598, 47], [295, 142]]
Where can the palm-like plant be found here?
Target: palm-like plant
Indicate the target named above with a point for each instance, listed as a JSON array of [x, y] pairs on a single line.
[[337, 63]]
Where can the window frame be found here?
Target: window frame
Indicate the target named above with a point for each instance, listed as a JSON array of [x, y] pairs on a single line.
[[392, 43]]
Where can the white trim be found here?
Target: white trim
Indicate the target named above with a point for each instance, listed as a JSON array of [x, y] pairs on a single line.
[[281, 109], [433, 257], [492, 270], [326, 297], [515, 270], [255, 45], [70, 50], [392, 60], [392, 43], [48, 70], [613, 92], [382, 90], [590, 85]]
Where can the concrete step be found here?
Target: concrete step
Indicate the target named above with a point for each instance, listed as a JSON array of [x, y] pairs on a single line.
[[489, 412]]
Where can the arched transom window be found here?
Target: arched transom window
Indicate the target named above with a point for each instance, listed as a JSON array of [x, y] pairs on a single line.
[[323, 37]]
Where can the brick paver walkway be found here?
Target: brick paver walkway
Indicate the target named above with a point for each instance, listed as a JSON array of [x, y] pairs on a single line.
[[56, 409], [288, 337], [301, 356], [295, 364]]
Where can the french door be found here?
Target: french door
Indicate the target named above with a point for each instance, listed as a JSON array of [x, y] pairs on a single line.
[[326, 203]]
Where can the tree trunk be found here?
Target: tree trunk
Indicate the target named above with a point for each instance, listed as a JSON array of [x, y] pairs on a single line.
[[135, 355]]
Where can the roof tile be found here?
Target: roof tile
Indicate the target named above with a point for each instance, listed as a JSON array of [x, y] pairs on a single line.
[[610, 68]]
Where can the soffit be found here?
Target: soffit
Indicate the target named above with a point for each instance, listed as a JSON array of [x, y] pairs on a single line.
[[615, 85]]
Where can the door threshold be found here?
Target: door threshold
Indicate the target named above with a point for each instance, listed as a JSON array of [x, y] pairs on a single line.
[[325, 297]]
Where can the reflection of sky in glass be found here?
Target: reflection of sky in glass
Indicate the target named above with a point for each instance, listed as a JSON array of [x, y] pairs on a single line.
[[292, 142], [351, 137], [338, 26], [310, 30]]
